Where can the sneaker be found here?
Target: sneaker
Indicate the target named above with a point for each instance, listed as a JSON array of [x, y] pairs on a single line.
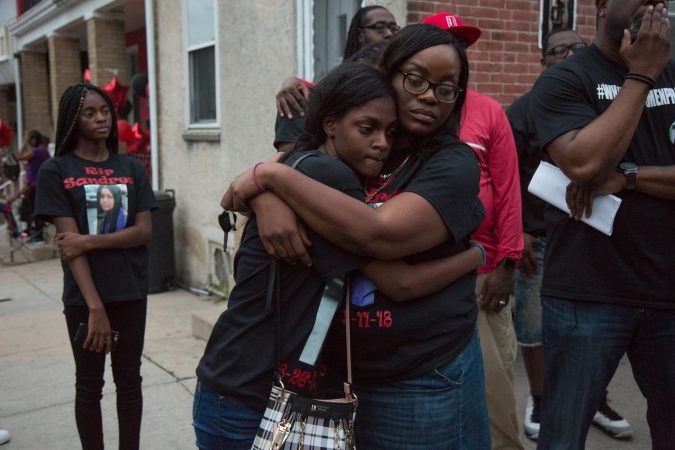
[[611, 421], [532, 413], [4, 437]]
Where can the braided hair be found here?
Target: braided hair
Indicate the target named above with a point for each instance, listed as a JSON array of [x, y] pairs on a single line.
[[70, 108], [354, 43]]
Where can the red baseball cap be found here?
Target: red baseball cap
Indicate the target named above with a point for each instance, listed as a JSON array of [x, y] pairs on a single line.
[[454, 25]]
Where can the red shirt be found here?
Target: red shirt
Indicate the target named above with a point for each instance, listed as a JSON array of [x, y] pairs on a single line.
[[486, 130]]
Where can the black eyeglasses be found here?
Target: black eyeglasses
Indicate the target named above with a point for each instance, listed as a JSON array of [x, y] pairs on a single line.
[[415, 84], [380, 27], [562, 50]]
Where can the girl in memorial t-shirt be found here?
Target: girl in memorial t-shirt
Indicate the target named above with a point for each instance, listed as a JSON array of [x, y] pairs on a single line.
[[349, 128], [85, 176]]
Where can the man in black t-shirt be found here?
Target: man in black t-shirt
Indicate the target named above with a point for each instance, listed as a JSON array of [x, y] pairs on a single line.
[[558, 46], [606, 118]]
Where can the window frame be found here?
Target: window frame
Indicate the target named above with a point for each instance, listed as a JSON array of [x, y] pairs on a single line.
[[187, 69]]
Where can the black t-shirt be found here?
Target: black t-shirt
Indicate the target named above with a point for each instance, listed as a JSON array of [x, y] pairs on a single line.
[[287, 130], [239, 356], [394, 341], [529, 156], [635, 265], [102, 197]]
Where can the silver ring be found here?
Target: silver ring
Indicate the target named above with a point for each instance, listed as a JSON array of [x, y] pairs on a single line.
[[502, 302]]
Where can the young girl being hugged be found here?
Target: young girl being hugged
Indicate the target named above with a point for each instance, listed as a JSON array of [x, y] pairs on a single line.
[[105, 265], [349, 129]]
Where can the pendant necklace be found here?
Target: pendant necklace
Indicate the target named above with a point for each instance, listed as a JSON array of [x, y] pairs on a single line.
[[385, 179]]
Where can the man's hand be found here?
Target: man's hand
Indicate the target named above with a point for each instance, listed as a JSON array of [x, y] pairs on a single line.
[[649, 53], [528, 261], [580, 200], [71, 245], [292, 97], [497, 290]]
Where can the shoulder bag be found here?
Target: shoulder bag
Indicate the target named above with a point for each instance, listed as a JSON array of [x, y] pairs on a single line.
[[295, 422]]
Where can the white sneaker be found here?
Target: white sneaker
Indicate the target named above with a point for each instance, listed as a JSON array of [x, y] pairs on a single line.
[[4, 437], [611, 421], [532, 414]]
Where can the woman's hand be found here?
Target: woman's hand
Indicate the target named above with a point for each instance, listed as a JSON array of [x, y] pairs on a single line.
[[282, 234], [71, 245], [99, 337]]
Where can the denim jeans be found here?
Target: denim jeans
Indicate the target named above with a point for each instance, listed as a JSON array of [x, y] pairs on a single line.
[[583, 344], [444, 409], [129, 319], [221, 422], [527, 307]]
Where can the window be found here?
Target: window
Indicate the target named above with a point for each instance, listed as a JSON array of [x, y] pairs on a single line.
[[323, 35], [201, 48]]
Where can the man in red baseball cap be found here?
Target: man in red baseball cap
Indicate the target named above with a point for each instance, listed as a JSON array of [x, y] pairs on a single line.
[[486, 130]]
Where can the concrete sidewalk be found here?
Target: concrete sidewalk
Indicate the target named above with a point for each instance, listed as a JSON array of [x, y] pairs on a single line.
[[37, 371]]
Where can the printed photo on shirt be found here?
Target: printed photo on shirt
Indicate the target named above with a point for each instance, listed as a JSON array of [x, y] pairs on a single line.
[[556, 14], [107, 206]]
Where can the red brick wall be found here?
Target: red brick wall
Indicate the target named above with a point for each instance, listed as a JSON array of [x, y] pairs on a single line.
[[505, 61]]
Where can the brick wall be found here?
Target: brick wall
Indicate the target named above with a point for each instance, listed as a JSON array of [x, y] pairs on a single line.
[[35, 92], [64, 61], [505, 61], [107, 50], [5, 111]]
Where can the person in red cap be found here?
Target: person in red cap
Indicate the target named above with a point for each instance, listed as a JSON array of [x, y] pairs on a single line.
[[486, 129]]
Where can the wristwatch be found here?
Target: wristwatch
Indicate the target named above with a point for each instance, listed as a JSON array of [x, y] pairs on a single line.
[[508, 263], [630, 170]]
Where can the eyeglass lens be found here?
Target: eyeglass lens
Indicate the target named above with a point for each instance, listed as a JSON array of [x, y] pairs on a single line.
[[416, 84], [563, 50], [382, 26]]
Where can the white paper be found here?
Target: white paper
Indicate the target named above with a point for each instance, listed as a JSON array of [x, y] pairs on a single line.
[[550, 184]]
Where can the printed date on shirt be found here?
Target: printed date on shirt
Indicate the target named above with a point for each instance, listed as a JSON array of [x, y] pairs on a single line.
[[302, 378], [371, 319]]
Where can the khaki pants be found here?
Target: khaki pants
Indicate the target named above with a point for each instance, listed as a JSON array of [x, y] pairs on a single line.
[[499, 347]]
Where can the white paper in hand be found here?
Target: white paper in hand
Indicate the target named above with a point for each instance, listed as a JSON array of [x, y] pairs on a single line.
[[550, 184]]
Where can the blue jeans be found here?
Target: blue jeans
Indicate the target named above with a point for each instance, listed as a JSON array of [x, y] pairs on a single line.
[[527, 307], [583, 344], [127, 317], [221, 422], [444, 409]]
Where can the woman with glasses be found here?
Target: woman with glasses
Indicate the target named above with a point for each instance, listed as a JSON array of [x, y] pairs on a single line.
[[418, 367]]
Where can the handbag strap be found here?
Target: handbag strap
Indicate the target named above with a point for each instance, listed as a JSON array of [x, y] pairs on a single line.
[[273, 290], [274, 296], [348, 341]]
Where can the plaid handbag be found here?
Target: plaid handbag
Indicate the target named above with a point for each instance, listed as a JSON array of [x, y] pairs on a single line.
[[292, 421]]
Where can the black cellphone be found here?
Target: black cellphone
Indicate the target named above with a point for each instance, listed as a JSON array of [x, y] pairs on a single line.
[[83, 330]]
